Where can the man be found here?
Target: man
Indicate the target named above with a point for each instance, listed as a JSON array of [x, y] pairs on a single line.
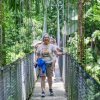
[[53, 41]]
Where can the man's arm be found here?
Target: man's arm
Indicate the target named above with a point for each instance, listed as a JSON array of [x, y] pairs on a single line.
[[59, 53], [36, 57]]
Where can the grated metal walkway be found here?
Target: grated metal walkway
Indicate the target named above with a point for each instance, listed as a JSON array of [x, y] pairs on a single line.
[[58, 88]]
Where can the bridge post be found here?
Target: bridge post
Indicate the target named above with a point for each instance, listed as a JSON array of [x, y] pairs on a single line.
[[64, 45], [35, 70], [1, 85], [23, 80]]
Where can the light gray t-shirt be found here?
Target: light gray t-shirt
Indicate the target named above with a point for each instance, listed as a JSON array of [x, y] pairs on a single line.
[[56, 46], [46, 51]]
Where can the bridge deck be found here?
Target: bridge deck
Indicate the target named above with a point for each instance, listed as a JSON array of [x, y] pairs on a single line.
[[58, 88]]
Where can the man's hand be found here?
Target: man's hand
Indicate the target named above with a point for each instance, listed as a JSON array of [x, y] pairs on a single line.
[[35, 63], [64, 52]]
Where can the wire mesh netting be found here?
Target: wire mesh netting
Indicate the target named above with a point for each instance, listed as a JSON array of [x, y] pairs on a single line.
[[17, 79], [79, 85]]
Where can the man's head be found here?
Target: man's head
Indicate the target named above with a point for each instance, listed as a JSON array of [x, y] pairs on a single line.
[[52, 40], [46, 38]]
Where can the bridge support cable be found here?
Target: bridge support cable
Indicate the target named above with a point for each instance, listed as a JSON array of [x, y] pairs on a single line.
[[45, 16], [58, 24], [59, 6]]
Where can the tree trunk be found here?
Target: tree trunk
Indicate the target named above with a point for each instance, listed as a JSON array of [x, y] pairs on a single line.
[[81, 31], [2, 36], [1, 17], [37, 7], [1, 55]]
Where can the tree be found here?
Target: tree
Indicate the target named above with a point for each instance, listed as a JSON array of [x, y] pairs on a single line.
[[1, 43], [81, 30], [1, 33]]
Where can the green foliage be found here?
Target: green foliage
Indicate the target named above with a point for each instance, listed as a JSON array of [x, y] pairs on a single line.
[[72, 45], [96, 35], [92, 20], [23, 24], [91, 41], [92, 67], [20, 29], [88, 56]]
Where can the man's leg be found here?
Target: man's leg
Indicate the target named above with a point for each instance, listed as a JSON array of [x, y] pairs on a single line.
[[50, 85], [43, 83], [49, 76], [50, 82]]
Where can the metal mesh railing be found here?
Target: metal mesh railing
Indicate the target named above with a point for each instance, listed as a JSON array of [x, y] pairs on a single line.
[[17, 79], [79, 85]]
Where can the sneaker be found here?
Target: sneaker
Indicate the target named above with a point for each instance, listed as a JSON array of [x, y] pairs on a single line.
[[43, 94], [54, 80], [51, 92]]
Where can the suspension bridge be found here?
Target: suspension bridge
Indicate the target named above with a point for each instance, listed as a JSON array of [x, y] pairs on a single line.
[[19, 80]]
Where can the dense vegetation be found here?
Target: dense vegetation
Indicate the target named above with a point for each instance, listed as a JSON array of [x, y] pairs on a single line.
[[91, 40], [20, 27]]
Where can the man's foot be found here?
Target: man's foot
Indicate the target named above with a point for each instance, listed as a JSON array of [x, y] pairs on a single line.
[[51, 92], [43, 94]]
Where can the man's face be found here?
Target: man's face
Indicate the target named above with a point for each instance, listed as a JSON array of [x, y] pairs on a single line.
[[52, 41], [46, 39]]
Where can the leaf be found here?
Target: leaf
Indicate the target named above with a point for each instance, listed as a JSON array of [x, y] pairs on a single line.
[[98, 1]]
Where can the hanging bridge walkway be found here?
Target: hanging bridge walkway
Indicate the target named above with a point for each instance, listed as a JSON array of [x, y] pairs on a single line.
[[58, 88]]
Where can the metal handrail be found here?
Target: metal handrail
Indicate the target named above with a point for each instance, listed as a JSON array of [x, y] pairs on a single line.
[[79, 85], [17, 79]]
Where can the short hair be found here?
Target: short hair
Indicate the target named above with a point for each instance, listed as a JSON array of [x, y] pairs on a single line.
[[45, 35]]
